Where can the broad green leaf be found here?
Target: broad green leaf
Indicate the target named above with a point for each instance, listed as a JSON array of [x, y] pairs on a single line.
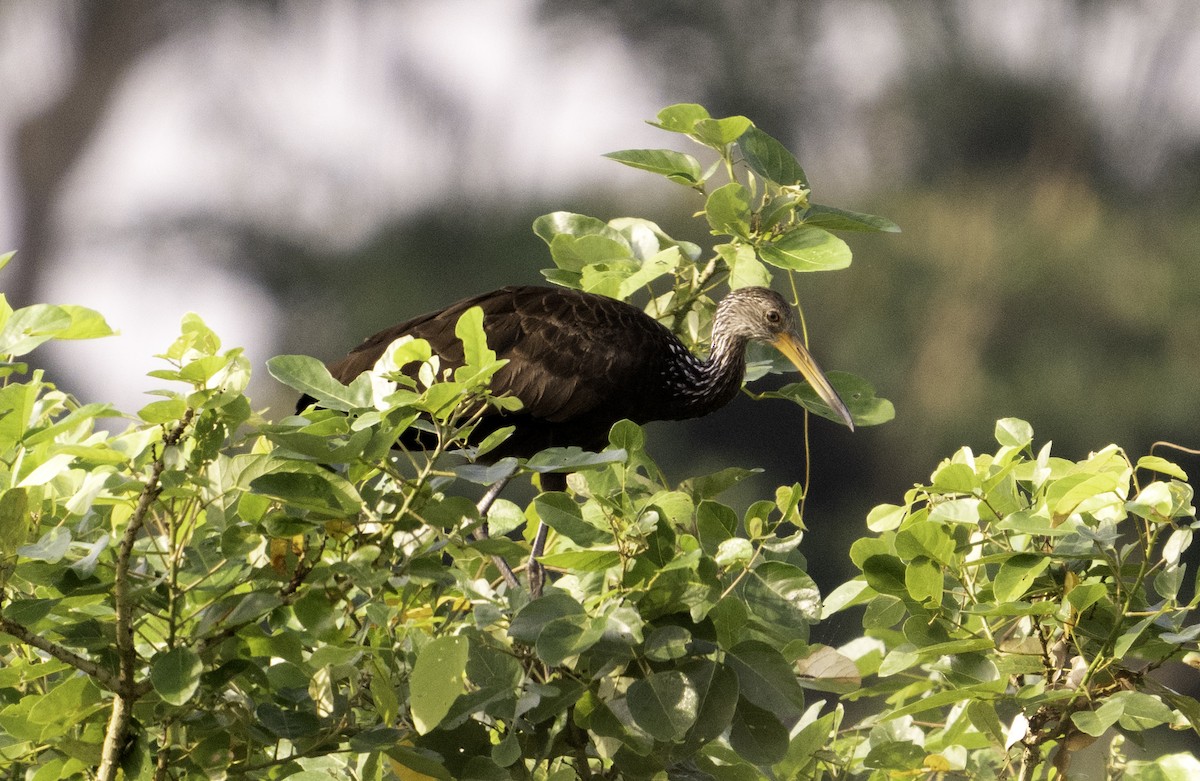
[[319, 491], [469, 330], [886, 574], [571, 459], [770, 159], [166, 411], [717, 688], [1013, 432], [562, 638], [582, 560], [898, 756], [437, 679], [955, 511], [287, 724], [664, 704], [926, 539], [676, 166], [69, 701], [780, 593], [1161, 465], [175, 675], [1025, 522], [955, 478], [745, 269], [858, 395], [885, 517], [560, 512], [52, 546], [30, 326], [681, 117], [579, 253], [1096, 722], [1017, 574], [766, 679], [85, 324], [718, 133], [548, 226], [844, 220], [528, 623], [924, 581], [15, 523], [728, 210], [756, 734], [308, 375], [806, 248]]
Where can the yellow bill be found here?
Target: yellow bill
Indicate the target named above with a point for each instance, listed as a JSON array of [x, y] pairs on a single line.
[[794, 350]]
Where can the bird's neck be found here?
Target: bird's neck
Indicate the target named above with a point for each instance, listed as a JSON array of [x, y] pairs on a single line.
[[708, 384]]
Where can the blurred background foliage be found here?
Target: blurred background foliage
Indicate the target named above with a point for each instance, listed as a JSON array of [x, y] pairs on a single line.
[[304, 174]]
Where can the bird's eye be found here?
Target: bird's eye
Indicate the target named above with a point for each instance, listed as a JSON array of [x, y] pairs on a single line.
[[773, 316]]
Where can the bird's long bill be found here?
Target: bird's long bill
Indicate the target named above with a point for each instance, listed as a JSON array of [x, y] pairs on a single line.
[[795, 351]]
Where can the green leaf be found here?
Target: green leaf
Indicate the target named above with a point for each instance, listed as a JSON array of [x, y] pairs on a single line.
[[469, 330], [85, 324], [571, 459], [665, 704], [166, 411], [320, 491], [681, 117], [1013, 432], [807, 248], [829, 218], [287, 724], [69, 701], [15, 524], [6, 257], [438, 678], [676, 166], [859, 396], [582, 253], [548, 226], [745, 269], [52, 546], [582, 560], [964, 510], [719, 133], [175, 675], [924, 581], [770, 159], [766, 679], [780, 593], [955, 478], [308, 375], [717, 688], [528, 623], [30, 326], [559, 511], [1017, 574], [562, 638], [756, 734], [728, 210], [1161, 465], [886, 574]]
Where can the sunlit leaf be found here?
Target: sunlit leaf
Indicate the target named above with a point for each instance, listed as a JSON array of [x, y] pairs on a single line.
[[807, 248], [437, 679], [770, 159], [676, 166], [175, 675]]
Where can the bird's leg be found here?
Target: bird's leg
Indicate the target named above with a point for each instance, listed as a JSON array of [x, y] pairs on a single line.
[[483, 506], [551, 481]]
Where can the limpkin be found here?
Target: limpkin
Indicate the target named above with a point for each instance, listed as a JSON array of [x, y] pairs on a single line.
[[579, 362]]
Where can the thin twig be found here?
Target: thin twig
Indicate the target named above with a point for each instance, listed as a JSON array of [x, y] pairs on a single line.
[[127, 691]]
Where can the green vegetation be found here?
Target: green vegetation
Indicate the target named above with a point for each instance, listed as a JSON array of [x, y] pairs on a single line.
[[210, 594]]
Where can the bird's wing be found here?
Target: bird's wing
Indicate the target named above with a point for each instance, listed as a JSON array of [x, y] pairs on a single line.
[[569, 354]]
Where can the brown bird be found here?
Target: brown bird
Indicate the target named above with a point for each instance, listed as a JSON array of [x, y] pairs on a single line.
[[579, 362]]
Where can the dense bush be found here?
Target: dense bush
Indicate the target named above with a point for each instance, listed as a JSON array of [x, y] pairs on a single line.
[[210, 594]]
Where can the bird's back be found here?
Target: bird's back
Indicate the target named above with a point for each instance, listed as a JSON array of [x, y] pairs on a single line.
[[578, 362]]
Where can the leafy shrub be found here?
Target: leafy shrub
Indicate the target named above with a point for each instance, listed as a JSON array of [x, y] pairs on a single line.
[[209, 594]]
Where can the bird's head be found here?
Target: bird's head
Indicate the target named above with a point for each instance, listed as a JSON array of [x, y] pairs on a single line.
[[762, 315]]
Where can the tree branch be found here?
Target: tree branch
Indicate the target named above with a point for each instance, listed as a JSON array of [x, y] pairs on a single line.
[[127, 690]]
